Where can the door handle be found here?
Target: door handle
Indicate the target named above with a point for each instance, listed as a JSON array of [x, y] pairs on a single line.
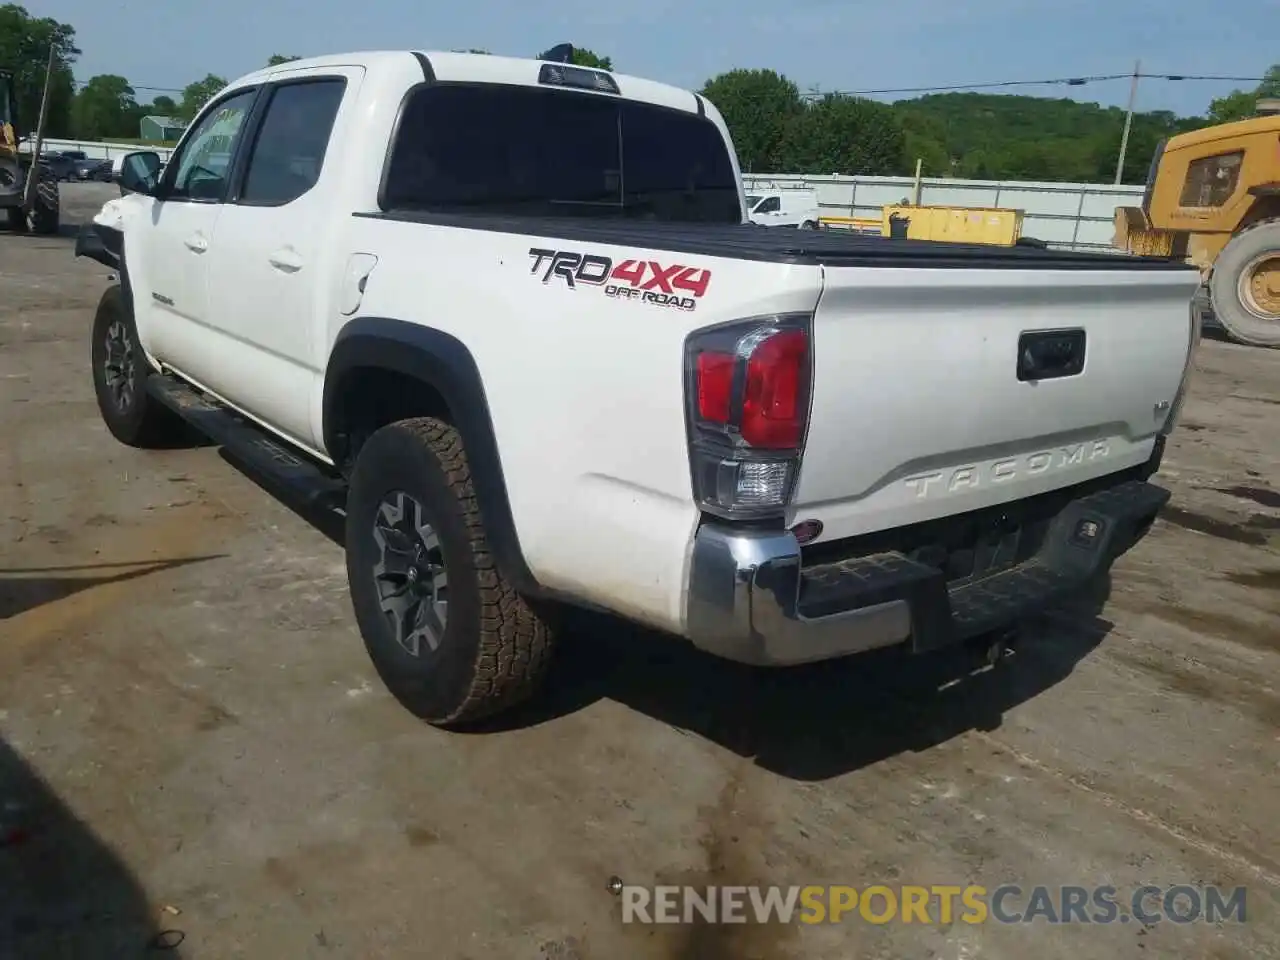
[[196, 243], [286, 259]]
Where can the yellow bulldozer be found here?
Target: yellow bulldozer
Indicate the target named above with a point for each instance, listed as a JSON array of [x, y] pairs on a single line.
[[1213, 199], [31, 200]]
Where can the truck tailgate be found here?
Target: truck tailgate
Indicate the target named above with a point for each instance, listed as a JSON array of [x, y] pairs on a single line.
[[918, 410]]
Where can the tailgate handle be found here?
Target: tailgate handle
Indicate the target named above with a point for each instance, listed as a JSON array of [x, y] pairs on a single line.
[[1048, 354]]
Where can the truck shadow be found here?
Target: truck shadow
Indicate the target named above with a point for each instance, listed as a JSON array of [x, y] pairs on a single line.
[[816, 721], [810, 722], [66, 894], [23, 589]]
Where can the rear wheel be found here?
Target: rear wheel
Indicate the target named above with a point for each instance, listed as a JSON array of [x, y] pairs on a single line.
[[449, 636], [1245, 286], [809, 225]]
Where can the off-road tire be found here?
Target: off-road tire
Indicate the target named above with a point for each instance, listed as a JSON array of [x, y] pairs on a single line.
[[1224, 285], [46, 214], [45, 218], [142, 421], [494, 646]]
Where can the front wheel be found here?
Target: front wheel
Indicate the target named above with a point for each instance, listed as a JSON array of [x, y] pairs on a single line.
[[120, 371], [449, 636], [1245, 287]]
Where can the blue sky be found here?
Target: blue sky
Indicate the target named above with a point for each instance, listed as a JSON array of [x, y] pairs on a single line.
[[830, 44]]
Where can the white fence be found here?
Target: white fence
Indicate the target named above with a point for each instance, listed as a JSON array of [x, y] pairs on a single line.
[[93, 148], [1067, 215], [1071, 215]]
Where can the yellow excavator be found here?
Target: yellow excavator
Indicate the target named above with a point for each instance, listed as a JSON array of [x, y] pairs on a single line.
[[31, 201], [1213, 199]]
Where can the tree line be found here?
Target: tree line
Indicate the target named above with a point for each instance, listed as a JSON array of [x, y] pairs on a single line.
[[775, 127]]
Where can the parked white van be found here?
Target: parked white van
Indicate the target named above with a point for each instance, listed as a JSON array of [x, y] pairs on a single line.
[[784, 208]]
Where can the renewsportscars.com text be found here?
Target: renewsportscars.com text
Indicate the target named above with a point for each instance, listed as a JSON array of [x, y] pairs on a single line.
[[1006, 904]]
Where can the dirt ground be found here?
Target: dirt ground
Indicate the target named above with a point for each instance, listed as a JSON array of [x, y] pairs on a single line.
[[194, 748]]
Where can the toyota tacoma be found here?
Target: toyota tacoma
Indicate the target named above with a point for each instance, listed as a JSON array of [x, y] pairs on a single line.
[[510, 317]]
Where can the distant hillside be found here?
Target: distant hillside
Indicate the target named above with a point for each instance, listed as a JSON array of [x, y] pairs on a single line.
[[998, 136]]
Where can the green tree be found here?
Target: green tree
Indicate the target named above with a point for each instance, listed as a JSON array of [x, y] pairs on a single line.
[[24, 49], [196, 95], [757, 106], [845, 135], [1002, 136], [278, 58], [162, 106], [1239, 105], [926, 142], [581, 56], [104, 107], [585, 58], [1236, 105]]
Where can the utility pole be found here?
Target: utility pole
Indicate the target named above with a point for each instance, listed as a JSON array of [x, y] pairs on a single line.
[[1128, 119], [33, 172]]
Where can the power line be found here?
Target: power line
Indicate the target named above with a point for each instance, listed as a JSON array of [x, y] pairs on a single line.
[[944, 88], [1057, 81], [135, 87], [1189, 76], [1054, 81]]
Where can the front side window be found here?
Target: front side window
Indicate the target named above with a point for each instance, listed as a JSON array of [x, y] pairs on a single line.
[[204, 162], [770, 205], [541, 152], [290, 147], [1211, 180]]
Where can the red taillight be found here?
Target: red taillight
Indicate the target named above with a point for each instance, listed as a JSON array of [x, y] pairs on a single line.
[[715, 386], [754, 380], [773, 407], [747, 389]]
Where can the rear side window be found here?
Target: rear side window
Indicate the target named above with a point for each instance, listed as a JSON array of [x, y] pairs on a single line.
[[288, 153], [533, 151]]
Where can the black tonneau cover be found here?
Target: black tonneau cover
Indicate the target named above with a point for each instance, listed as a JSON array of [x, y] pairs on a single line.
[[749, 241]]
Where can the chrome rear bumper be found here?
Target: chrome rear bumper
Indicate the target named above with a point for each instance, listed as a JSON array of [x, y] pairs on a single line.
[[751, 600]]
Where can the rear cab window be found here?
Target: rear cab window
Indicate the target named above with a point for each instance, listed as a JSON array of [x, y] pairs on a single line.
[[534, 151]]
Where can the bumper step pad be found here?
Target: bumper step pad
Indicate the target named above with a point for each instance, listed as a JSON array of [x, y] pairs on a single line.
[[1081, 542]]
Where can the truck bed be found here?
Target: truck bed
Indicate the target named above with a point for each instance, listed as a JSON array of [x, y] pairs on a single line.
[[749, 241]]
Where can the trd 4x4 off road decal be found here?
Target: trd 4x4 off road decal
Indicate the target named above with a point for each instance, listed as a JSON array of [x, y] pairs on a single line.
[[644, 281]]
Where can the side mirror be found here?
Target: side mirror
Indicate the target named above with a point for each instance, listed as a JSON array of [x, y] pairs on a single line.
[[139, 172]]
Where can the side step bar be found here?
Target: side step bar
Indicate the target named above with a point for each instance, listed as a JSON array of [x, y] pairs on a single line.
[[313, 484]]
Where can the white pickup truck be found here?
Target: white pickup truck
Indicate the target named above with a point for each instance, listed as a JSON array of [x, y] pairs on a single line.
[[508, 316]]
